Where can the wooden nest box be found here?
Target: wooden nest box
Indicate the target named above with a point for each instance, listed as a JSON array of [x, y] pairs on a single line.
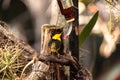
[[47, 31]]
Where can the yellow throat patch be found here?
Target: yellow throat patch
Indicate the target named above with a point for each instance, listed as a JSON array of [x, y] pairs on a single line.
[[57, 37]]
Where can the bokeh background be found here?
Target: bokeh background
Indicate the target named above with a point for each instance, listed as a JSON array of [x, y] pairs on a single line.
[[100, 53]]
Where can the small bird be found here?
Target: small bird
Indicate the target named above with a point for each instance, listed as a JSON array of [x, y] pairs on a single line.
[[55, 43]]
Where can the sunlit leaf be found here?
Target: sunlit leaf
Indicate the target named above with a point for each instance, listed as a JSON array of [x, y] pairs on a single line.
[[86, 31]]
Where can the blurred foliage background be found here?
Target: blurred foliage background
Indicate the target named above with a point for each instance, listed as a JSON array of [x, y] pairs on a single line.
[[100, 53]]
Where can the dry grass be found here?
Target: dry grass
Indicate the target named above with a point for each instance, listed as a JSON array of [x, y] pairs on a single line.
[[9, 62]]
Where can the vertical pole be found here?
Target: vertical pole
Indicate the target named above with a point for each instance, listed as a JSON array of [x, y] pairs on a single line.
[[74, 39]]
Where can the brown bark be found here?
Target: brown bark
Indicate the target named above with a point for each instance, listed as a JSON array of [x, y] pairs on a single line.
[[56, 64]]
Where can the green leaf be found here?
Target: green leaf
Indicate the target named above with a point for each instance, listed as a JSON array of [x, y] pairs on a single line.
[[86, 31]]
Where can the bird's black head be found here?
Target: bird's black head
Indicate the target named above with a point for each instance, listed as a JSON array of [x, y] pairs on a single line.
[[56, 31]]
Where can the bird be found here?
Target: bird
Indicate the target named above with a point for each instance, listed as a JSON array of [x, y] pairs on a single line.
[[55, 43]]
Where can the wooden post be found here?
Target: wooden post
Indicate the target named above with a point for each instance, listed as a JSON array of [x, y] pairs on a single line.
[[73, 39]]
